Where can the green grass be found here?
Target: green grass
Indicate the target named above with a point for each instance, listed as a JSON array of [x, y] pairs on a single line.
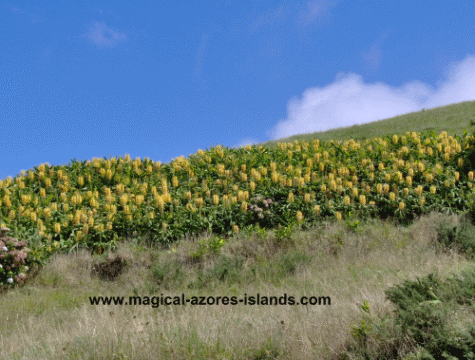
[[397, 292]]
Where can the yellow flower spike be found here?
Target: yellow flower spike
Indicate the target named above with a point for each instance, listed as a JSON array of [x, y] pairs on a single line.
[[316, 209], [307, 198], [199, 202], [291, 197], [401, 205], [419, 190], [244, 206], [235, 229], [363, 200], [338, 215], [470, 175], [299, 216]]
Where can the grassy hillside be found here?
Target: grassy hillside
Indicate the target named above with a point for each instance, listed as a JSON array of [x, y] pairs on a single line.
[[451, 118], [378, 236]]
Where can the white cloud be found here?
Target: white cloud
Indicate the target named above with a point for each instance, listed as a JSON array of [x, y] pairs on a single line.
[[102, 35], [349, 101]]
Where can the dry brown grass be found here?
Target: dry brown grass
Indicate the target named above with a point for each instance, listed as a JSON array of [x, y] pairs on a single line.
[[52, 318]]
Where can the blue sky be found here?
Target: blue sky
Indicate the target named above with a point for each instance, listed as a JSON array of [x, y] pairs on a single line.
[[163, 79]]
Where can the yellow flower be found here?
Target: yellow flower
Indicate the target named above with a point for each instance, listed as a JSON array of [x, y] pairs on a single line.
[[338, 215], [362, 200], [235, 229], [419, 190], [199, 202], [401, 205], [291, 197], [307, 198], [244, 206], [299, 216], [316, 209]]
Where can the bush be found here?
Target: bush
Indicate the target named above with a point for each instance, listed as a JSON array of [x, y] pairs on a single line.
[[14, 261]]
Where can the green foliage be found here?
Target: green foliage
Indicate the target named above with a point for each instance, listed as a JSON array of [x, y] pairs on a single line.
[[422, 312], [460, 238]]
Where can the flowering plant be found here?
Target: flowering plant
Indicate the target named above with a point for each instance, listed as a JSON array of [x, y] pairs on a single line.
[[13, 261]]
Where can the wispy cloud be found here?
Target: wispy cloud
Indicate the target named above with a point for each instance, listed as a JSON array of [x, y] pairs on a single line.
[[315, 10], [309, 13], [16, 10], [102, 35], [34, 18], [271, 17], [350, 101], [200, 54], [374, 55]]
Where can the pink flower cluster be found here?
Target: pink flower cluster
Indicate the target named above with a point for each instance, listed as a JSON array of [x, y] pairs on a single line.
[[13, 256]]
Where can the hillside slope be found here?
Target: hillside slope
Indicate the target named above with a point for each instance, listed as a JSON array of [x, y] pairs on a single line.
[[451, 118]]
